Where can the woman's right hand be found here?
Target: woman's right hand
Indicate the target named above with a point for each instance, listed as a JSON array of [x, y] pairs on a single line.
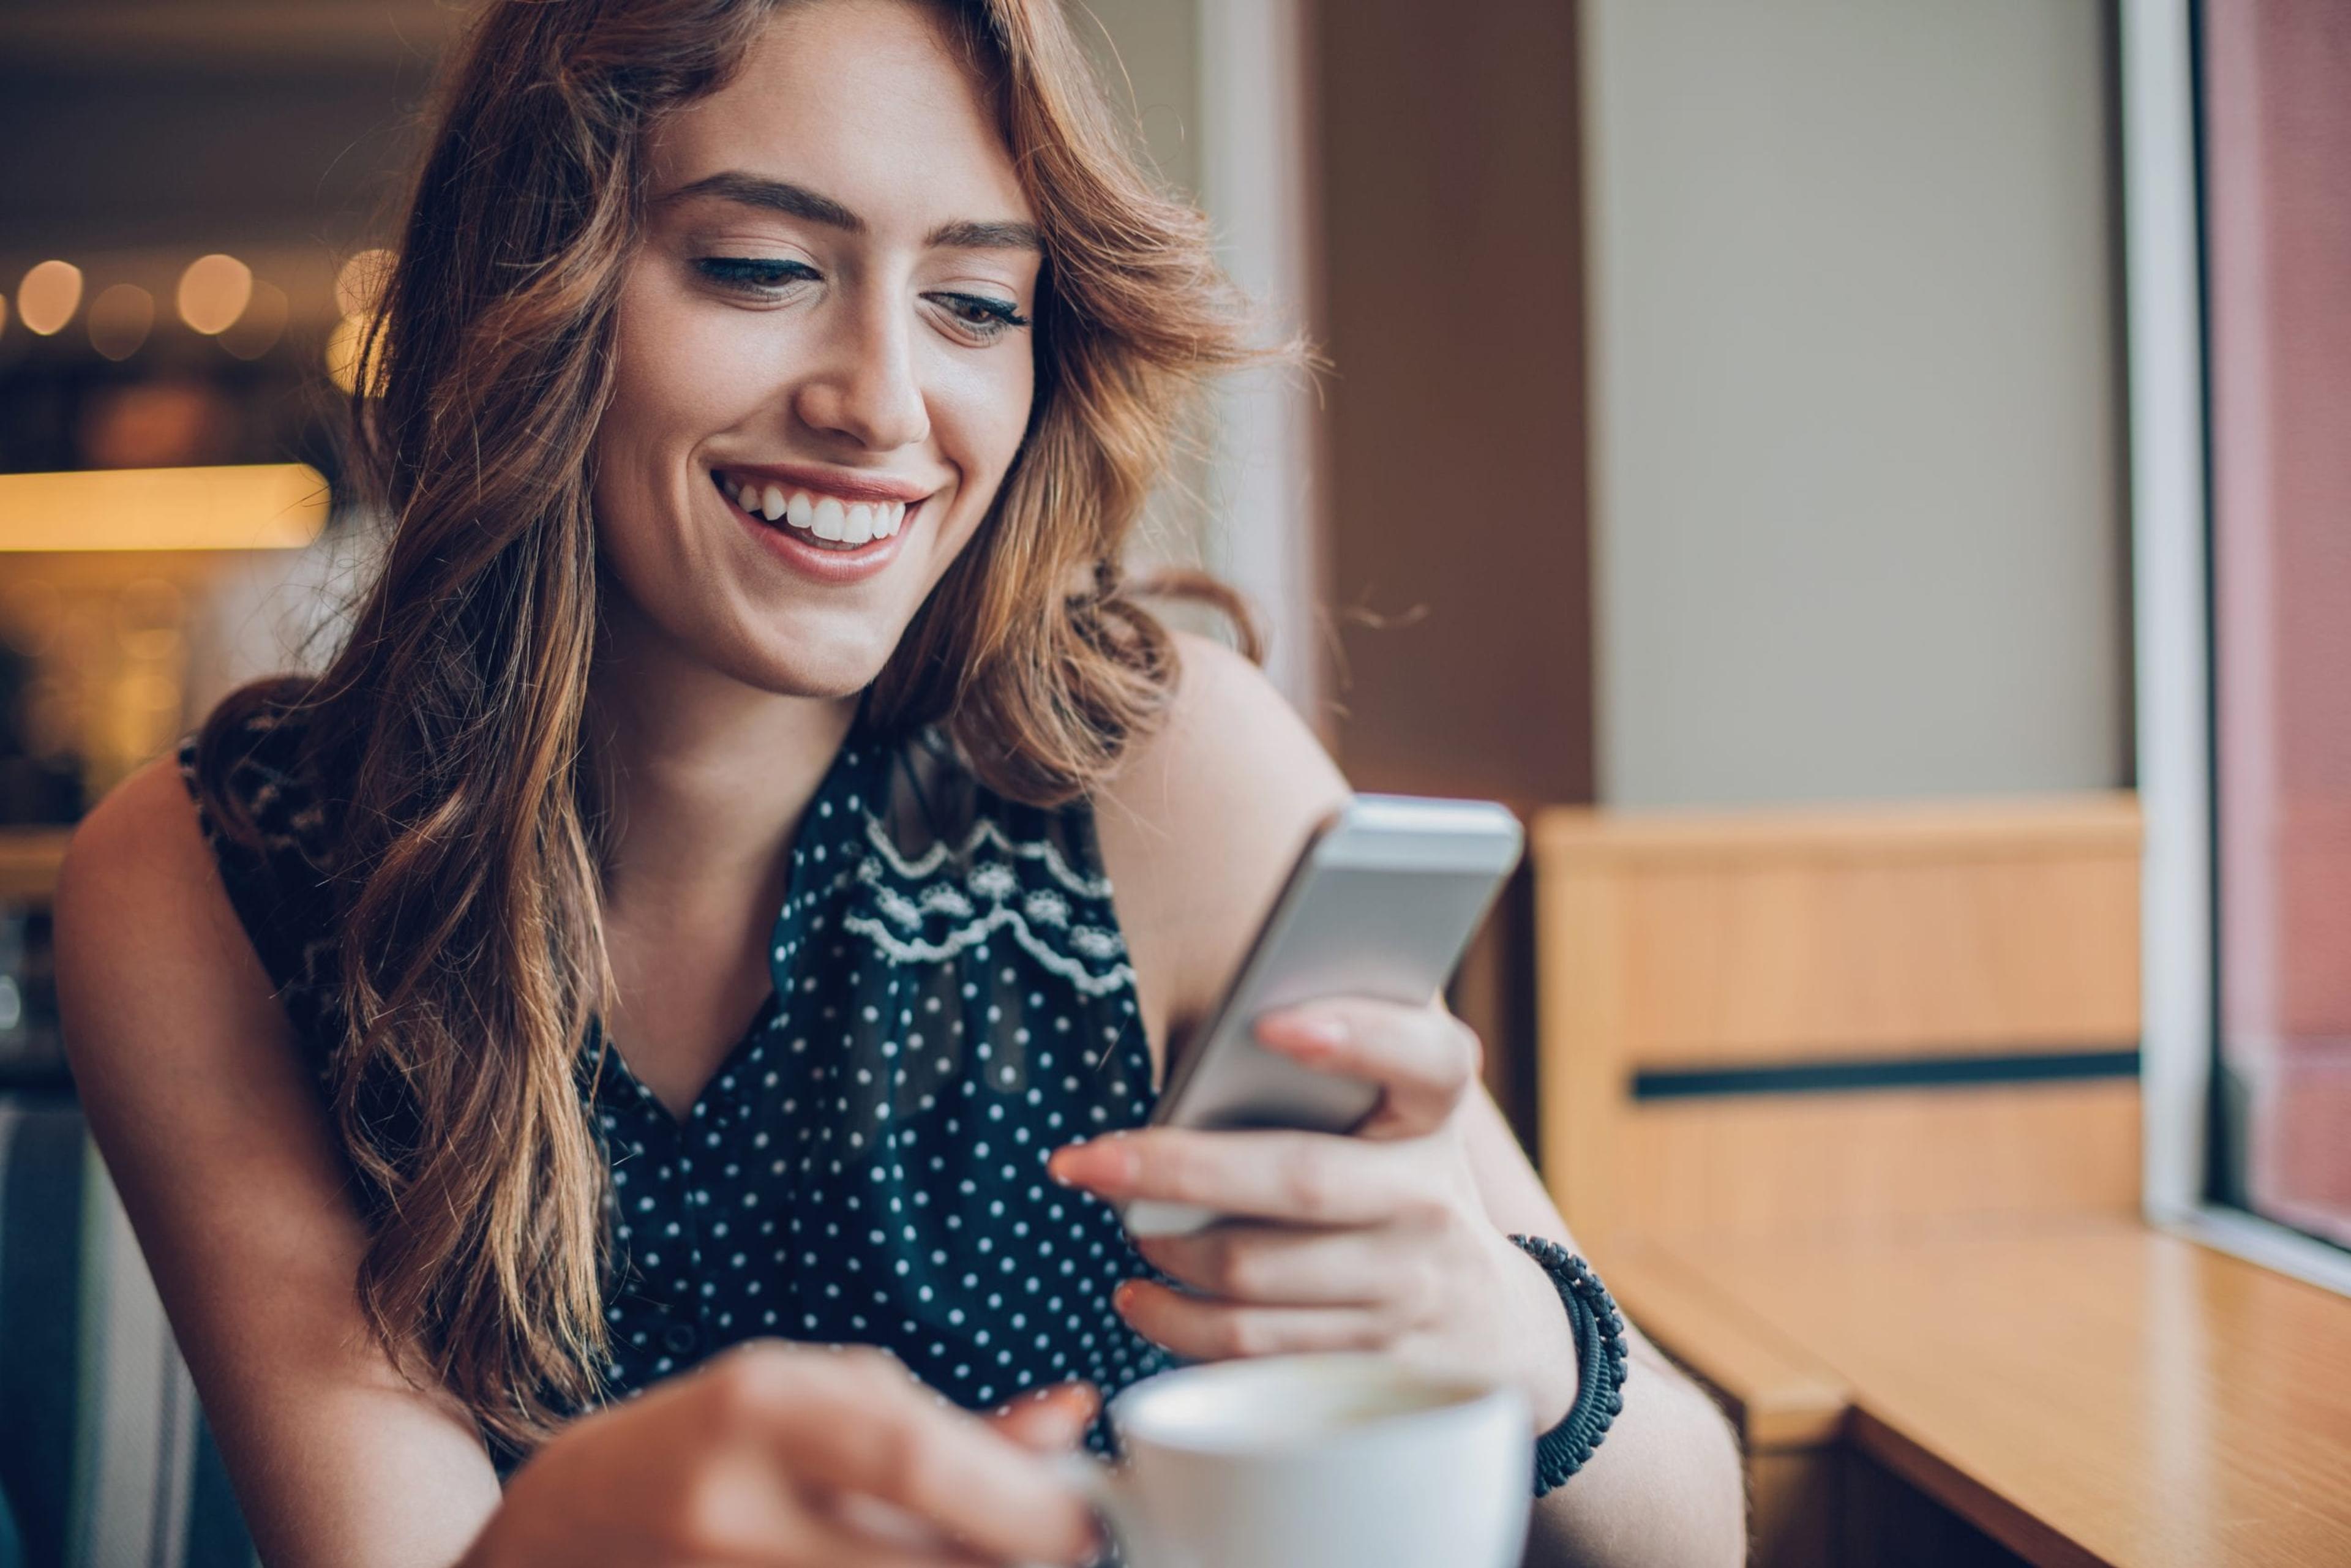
[[782, 1454]]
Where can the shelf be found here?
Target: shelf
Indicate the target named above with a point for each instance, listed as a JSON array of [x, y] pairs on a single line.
[[29, 858]]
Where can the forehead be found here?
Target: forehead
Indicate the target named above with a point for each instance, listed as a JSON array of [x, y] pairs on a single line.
[[870, 102]]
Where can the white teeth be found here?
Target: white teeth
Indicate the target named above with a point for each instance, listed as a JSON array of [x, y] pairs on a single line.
[[826, 517]]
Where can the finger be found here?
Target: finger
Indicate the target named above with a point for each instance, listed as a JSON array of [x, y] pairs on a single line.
[[1423, 1058], [1048, 1420], [1278, 1265], [857, 1422], [1200, 1329], [1304, 1178]]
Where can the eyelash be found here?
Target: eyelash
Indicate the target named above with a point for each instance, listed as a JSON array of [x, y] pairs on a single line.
[[759, 275], [754, 273]]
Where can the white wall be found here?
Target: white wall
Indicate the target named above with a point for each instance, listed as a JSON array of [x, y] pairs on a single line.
[[1856, 464], [1215, 87], [1147, 52]]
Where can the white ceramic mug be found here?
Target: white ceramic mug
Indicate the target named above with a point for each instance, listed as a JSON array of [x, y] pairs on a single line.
[[1316, 1461]]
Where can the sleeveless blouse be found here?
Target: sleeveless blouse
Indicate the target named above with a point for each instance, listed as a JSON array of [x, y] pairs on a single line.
[[952, 1002]]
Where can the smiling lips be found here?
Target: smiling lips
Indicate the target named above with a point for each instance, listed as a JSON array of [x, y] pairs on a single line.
[[822, 520]]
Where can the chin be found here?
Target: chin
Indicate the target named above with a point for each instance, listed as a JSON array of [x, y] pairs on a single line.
[[811, 663]]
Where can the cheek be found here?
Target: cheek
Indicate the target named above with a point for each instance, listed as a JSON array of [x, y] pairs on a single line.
[[979, 412], [679, 376]]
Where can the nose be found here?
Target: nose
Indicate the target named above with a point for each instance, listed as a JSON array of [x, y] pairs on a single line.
[[867, 390]]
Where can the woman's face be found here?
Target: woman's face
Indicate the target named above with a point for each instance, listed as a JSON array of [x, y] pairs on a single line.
[[824, 365]]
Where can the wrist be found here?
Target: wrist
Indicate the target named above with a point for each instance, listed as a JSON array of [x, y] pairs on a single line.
[[1551, 1370], [1602, 1364]]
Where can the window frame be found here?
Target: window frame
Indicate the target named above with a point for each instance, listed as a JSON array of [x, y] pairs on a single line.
[[2171, 538]]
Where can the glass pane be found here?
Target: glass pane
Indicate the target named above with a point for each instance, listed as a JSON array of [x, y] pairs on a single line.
[[2277, 127]]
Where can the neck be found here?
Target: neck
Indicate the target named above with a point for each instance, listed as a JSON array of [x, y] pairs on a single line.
[[705, 777]]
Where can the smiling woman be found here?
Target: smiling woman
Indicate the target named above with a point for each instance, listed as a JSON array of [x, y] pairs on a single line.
[[798, 295], [681, 920]]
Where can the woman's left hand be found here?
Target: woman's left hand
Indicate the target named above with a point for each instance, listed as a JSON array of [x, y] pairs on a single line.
[[1375, 1240]]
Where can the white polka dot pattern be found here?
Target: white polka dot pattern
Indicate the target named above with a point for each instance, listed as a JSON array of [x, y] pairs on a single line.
[[867, 1165]]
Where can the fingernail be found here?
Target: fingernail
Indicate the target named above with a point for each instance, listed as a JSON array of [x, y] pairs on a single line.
[[1308, 1034], [1098, 1166], [1084, 1400]]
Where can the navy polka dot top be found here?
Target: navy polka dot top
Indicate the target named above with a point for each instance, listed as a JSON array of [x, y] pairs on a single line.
[[952, 1002]]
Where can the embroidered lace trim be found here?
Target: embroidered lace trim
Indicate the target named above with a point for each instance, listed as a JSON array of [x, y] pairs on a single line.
[[991, 899]]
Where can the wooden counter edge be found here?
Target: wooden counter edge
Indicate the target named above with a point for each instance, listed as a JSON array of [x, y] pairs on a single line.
[[2022, 1533], [2091, 822], [1776, 1398]]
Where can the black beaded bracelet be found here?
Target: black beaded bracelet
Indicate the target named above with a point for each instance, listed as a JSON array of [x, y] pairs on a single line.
[[1599, 1330]]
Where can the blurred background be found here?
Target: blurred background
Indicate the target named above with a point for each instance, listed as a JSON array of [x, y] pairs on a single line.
[[1785, 448]]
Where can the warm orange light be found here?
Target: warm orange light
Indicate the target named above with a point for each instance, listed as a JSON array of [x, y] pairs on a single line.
[[214, 292], [274, 506], [343, 352], [358, 287], [48, 297], [119, 320], [256, 332], [3, 314], [343, 355]]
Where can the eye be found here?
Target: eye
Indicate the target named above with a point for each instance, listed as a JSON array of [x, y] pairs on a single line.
[[755, 274], [979, 316]]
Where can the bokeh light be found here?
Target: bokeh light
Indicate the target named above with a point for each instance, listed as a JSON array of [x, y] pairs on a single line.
[[214, 292], [343, 352], [358, 287], [256, 332], [119, 320], [48, 297], [3, 315]]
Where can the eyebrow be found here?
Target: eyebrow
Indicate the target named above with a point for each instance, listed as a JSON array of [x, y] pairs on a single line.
[[798, 202], [967, 234]]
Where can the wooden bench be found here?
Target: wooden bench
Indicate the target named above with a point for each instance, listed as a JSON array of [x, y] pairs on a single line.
[[1845, 1106], [2082, 1392]]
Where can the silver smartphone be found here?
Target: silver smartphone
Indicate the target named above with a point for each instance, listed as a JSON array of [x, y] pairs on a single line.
[[1381, 902]]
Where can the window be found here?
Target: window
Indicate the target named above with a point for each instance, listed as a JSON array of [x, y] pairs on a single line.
[[2238, 168], [2275, 109]]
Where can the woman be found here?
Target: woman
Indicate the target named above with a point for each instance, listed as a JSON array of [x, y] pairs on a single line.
[[765, 393]]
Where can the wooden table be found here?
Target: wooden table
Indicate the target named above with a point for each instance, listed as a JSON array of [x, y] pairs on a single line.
[[2086, 1392]]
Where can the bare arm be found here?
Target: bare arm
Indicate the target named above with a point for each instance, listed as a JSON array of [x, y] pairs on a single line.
[[1199, 831], [197, 1094], [1666, 1488]]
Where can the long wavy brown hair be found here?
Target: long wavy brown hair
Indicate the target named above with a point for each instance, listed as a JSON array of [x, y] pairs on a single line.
[[447, 730]]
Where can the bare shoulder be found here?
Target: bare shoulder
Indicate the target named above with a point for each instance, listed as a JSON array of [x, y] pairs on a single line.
[[156, 977], [1201, 823], [138, 893], [143, 834], [201, 1098], [1229, 738]]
